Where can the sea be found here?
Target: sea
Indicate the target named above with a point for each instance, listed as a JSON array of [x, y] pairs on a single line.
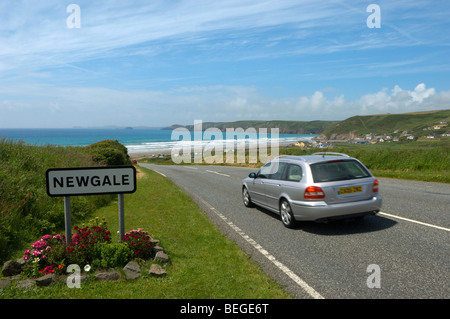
[[137, 140]]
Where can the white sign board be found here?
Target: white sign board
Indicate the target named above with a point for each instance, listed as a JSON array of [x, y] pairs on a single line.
[[91, 180]]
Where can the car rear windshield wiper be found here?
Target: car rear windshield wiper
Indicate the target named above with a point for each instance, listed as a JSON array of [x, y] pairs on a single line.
[[342, 178]]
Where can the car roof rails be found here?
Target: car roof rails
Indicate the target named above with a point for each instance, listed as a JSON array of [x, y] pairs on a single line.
[[331, 153], [294, 157]]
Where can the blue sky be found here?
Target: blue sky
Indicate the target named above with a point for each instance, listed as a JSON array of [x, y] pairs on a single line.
[[157, 63]]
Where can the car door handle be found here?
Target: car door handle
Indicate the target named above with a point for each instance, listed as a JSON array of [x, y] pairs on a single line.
[[274, 184]]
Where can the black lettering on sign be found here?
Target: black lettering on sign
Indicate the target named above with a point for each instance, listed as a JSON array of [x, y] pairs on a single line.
[[69, 181], [60, 182], [106, 181], [95, 181], [90, 181], [82, 181]]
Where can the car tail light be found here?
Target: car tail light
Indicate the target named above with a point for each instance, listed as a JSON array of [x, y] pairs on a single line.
[[375, 186], [314, 192]]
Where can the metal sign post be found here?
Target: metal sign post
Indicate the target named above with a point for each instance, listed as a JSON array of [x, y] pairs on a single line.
[[121, 216], [67, 219], [91, 181]]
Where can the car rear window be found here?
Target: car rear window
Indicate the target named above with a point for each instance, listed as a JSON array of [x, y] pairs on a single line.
[[338, 171]]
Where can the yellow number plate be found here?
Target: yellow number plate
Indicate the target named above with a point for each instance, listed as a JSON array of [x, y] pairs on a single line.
[[349, 190]]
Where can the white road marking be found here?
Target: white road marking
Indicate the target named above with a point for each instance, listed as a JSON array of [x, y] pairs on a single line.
[[218, 173], [414, 221], [190, 167], [160, 173], [314, 294]]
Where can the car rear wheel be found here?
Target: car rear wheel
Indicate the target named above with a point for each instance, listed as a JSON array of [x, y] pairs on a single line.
[[287, 218], [246, 197]]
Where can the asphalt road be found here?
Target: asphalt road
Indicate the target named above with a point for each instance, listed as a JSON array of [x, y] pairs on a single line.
[[403, 252]]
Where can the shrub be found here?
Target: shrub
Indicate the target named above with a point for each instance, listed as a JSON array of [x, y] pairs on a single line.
[[44, 254], [109, 152], [139, 242], [26, 211], [90, 245], [110, 255], [52, 250]]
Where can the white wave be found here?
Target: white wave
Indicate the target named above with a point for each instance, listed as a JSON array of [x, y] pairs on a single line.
[[205, 144]]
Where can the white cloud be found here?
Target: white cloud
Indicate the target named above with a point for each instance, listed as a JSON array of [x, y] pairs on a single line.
[[421, 92], [35, 35], [52, 106], [402, 101]]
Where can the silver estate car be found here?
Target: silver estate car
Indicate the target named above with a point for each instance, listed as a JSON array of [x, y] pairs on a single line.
[[318, 187]]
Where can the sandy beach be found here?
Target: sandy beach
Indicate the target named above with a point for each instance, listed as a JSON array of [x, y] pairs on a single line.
[[167, 152]]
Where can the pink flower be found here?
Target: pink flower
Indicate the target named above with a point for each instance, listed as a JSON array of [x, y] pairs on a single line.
[[45, 237], [38, 244]]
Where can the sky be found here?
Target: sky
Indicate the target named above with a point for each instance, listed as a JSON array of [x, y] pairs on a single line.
[[157, 63]]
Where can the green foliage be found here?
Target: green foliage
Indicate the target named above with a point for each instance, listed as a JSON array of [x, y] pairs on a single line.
[[110, 255], [139, 242], [388, 123], [109, 152], [26, 211], [89, 245], [417, 160]]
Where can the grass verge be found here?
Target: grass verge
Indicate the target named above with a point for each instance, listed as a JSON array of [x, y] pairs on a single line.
[[205, 264]]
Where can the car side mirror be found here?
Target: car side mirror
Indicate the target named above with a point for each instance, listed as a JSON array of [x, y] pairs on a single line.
[[252, 175]]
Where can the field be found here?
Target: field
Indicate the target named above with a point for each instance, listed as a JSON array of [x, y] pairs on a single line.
[[423, 161], [415, 123]]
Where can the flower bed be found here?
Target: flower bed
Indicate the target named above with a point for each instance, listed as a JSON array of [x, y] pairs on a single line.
[[139, 241], [90, 246]]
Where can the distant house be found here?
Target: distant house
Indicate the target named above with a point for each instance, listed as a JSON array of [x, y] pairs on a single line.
[[411, 137], [438, 127], [443, 122], [446, 134], [302, 144], [433, 135], [395, 139]]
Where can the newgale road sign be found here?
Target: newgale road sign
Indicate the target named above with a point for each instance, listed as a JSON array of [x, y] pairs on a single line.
[[91, 180]]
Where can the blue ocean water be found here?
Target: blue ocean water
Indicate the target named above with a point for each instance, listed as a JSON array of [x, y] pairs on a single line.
[[136, 140]]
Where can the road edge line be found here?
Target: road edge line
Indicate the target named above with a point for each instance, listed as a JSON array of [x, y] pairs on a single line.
[[300, 282]]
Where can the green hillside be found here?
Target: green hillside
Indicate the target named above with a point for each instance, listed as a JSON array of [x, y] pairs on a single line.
[[417, 123], [285, 127]]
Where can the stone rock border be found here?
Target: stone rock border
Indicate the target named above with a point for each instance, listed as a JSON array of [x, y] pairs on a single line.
[[12, 269]]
